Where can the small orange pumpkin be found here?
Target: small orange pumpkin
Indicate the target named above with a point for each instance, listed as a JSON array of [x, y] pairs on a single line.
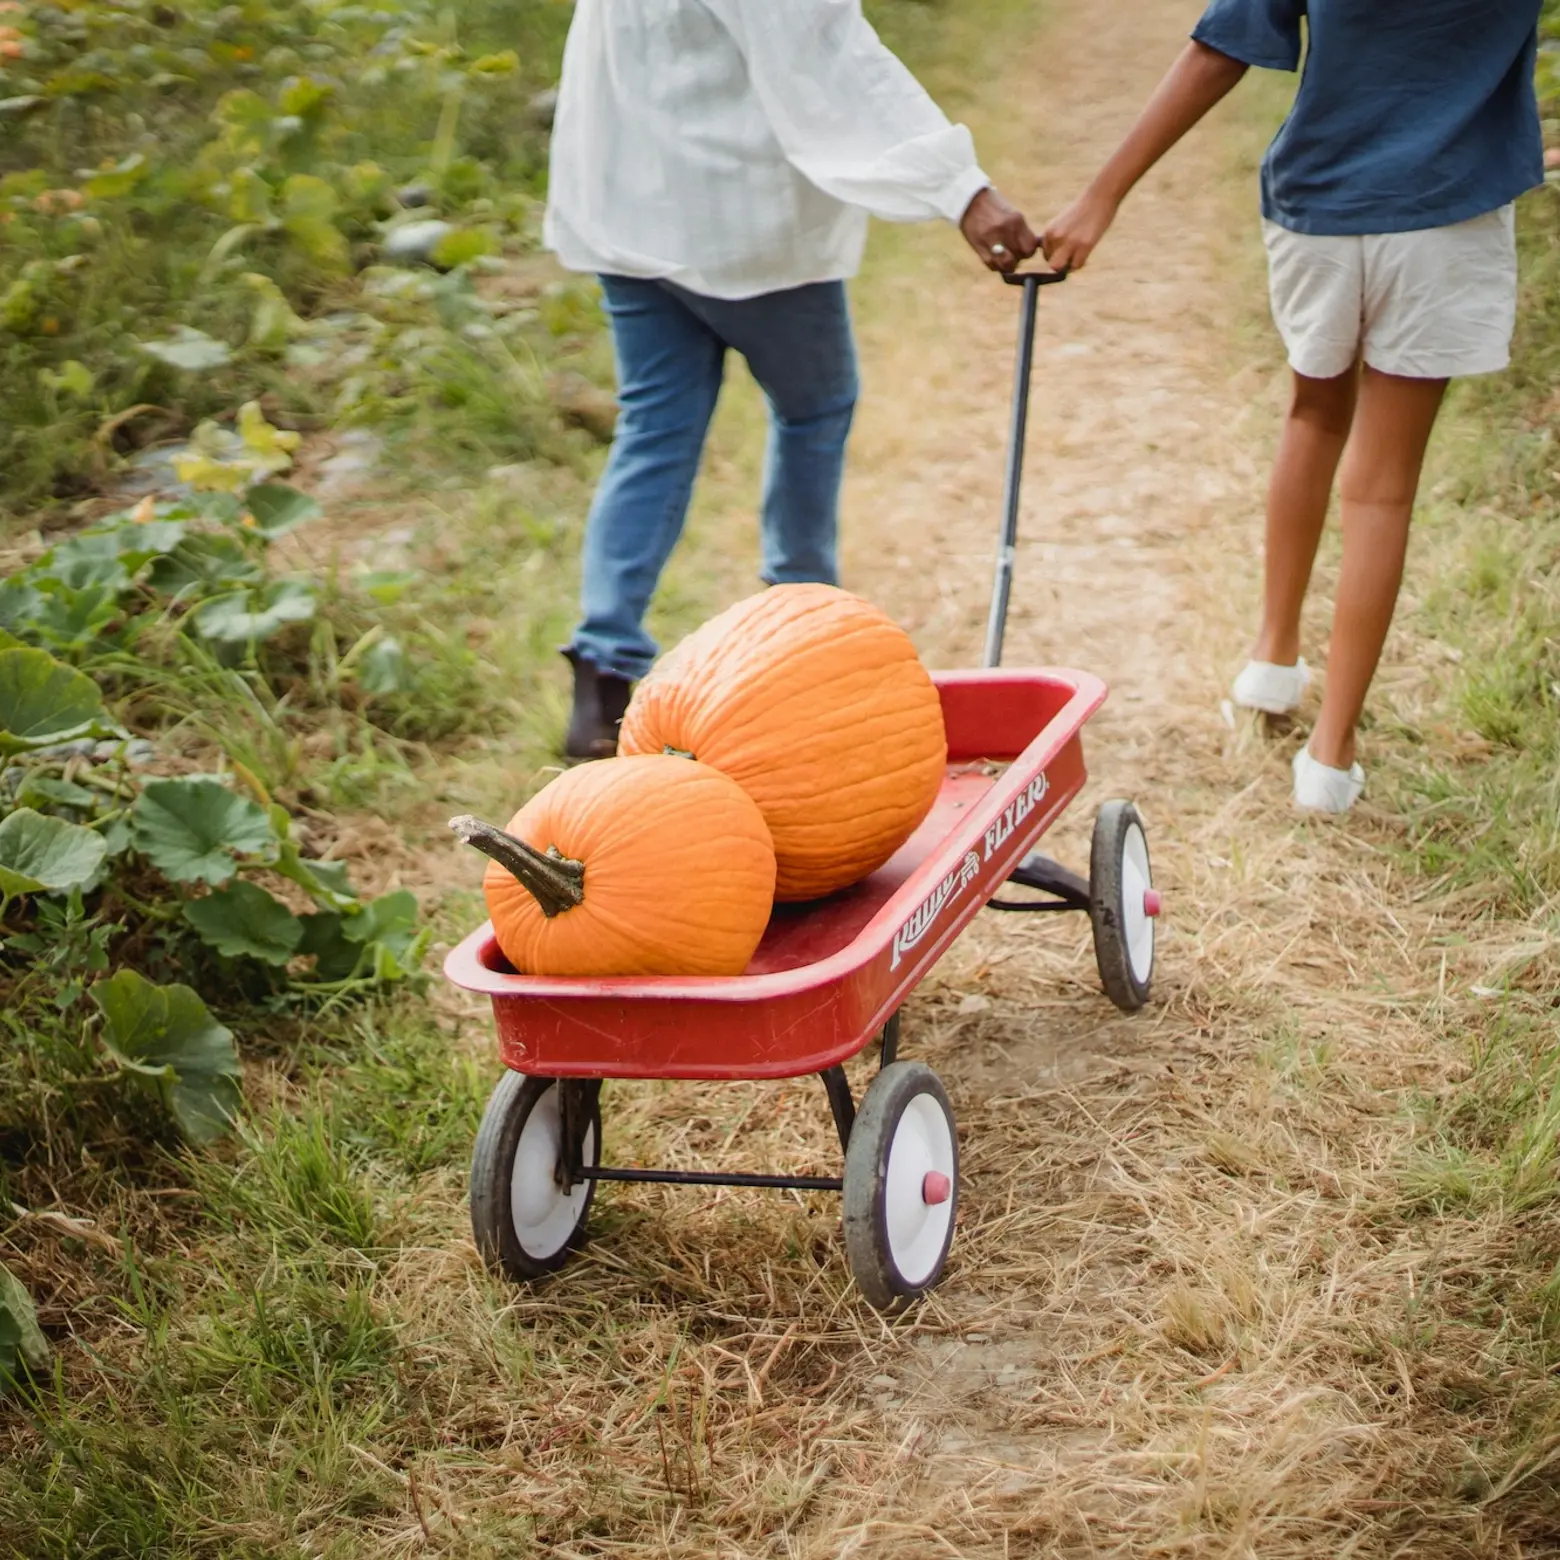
[[816, 704], [629, 866]]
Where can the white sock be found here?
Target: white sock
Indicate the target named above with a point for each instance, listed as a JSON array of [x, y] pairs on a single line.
[[1319, 788], [1275, 690]]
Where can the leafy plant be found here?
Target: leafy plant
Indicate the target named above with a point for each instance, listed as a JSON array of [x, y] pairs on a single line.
[[195, 831], [166, 1037], [22, 1344], [157, 277], [41, 701], [158, 633], [40, 855]]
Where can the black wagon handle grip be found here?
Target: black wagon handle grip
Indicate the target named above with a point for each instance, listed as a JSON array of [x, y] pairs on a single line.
[[1002, 588], [1036, 278]]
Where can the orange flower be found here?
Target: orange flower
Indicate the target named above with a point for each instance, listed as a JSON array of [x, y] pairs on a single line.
[[243, 52], [50, 326], [144, 511]]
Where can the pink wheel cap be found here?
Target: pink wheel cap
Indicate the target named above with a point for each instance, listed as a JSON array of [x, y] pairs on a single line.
[[1153, 902], [936, 1188]]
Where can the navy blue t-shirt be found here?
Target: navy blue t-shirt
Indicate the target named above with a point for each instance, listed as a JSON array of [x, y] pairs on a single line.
[[1411, 113]]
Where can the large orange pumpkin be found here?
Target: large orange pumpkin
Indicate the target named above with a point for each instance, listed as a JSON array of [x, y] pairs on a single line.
[[816, 704], [629, 866]]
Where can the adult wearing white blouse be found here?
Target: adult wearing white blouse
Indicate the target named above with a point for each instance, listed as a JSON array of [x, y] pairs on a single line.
[[714, 163]]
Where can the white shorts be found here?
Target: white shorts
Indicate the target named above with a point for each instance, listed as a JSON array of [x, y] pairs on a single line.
[[1428, 305]]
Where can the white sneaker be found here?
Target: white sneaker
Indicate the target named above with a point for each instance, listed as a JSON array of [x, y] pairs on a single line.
[[1320, 789], [1275, 690]]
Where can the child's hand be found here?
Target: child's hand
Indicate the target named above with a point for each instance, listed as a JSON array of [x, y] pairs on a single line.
[[1071, 238]]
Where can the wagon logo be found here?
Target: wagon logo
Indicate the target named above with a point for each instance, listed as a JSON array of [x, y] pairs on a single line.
[[925, 915], [1015, 812]]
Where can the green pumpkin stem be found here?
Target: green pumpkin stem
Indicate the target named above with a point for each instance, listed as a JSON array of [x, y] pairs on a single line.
[[549, 877]]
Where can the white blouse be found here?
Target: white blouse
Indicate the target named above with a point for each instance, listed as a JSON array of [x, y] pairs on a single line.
[[736, 147]]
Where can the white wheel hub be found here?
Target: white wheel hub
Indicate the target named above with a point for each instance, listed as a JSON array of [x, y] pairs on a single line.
[[544, 1215], [1139, 904], [917, 1188]]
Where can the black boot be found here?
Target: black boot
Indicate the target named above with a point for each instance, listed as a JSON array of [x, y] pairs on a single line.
[[600, 698]]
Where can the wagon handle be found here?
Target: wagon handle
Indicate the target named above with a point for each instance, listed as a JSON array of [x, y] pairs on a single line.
[[1002, 589]]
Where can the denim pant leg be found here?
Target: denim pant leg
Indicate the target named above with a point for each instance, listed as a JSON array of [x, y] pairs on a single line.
[[799, 347], [669, 366]]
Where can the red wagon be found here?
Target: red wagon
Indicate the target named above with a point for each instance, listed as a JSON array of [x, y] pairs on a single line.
[[827, 980]]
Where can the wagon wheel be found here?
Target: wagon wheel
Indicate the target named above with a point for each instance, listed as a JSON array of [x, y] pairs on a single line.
[[1123, 905], [525, 1218], [901, 1185]]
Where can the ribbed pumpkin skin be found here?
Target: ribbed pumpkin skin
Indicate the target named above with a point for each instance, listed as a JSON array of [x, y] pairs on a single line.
[[679, 873], [816, 704]]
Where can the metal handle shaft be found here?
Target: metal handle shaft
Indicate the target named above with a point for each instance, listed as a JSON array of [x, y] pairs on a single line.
[[1002, 589]]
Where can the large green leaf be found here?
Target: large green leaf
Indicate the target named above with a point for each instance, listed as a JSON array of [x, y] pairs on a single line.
[[335, 958], [167, 1036], [249, 198], [202, 563], [462, 247], [73, 378], [19, 604], [116, 182], [243, 921], [379, 942], [112, 554], [53, 793], [192, 350], [191, 830], [89, 559], [22, 1344], [248, 615], [325, 881], [43, 701], [387, 930], [390, 919], [331, 876], [309, 207], [72, 617], [278, 508], [39, 854]]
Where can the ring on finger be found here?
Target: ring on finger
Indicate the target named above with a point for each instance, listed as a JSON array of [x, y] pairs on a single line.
[[997, 250]]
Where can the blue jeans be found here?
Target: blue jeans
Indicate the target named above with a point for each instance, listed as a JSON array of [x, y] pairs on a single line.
[[671, 349]]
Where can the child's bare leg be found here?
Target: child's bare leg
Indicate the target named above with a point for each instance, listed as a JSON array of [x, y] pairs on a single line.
[[1392, 426], [1320, 412]]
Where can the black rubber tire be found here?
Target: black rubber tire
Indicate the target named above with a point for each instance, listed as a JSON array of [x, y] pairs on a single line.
[[492, 1170], [1125, 986], [867, 1246]]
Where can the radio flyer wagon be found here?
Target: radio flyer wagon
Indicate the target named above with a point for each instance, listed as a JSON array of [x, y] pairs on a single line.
[[827, 981]]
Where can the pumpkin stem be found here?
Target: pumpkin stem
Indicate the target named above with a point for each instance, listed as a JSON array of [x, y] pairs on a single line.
[[552, 880]]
